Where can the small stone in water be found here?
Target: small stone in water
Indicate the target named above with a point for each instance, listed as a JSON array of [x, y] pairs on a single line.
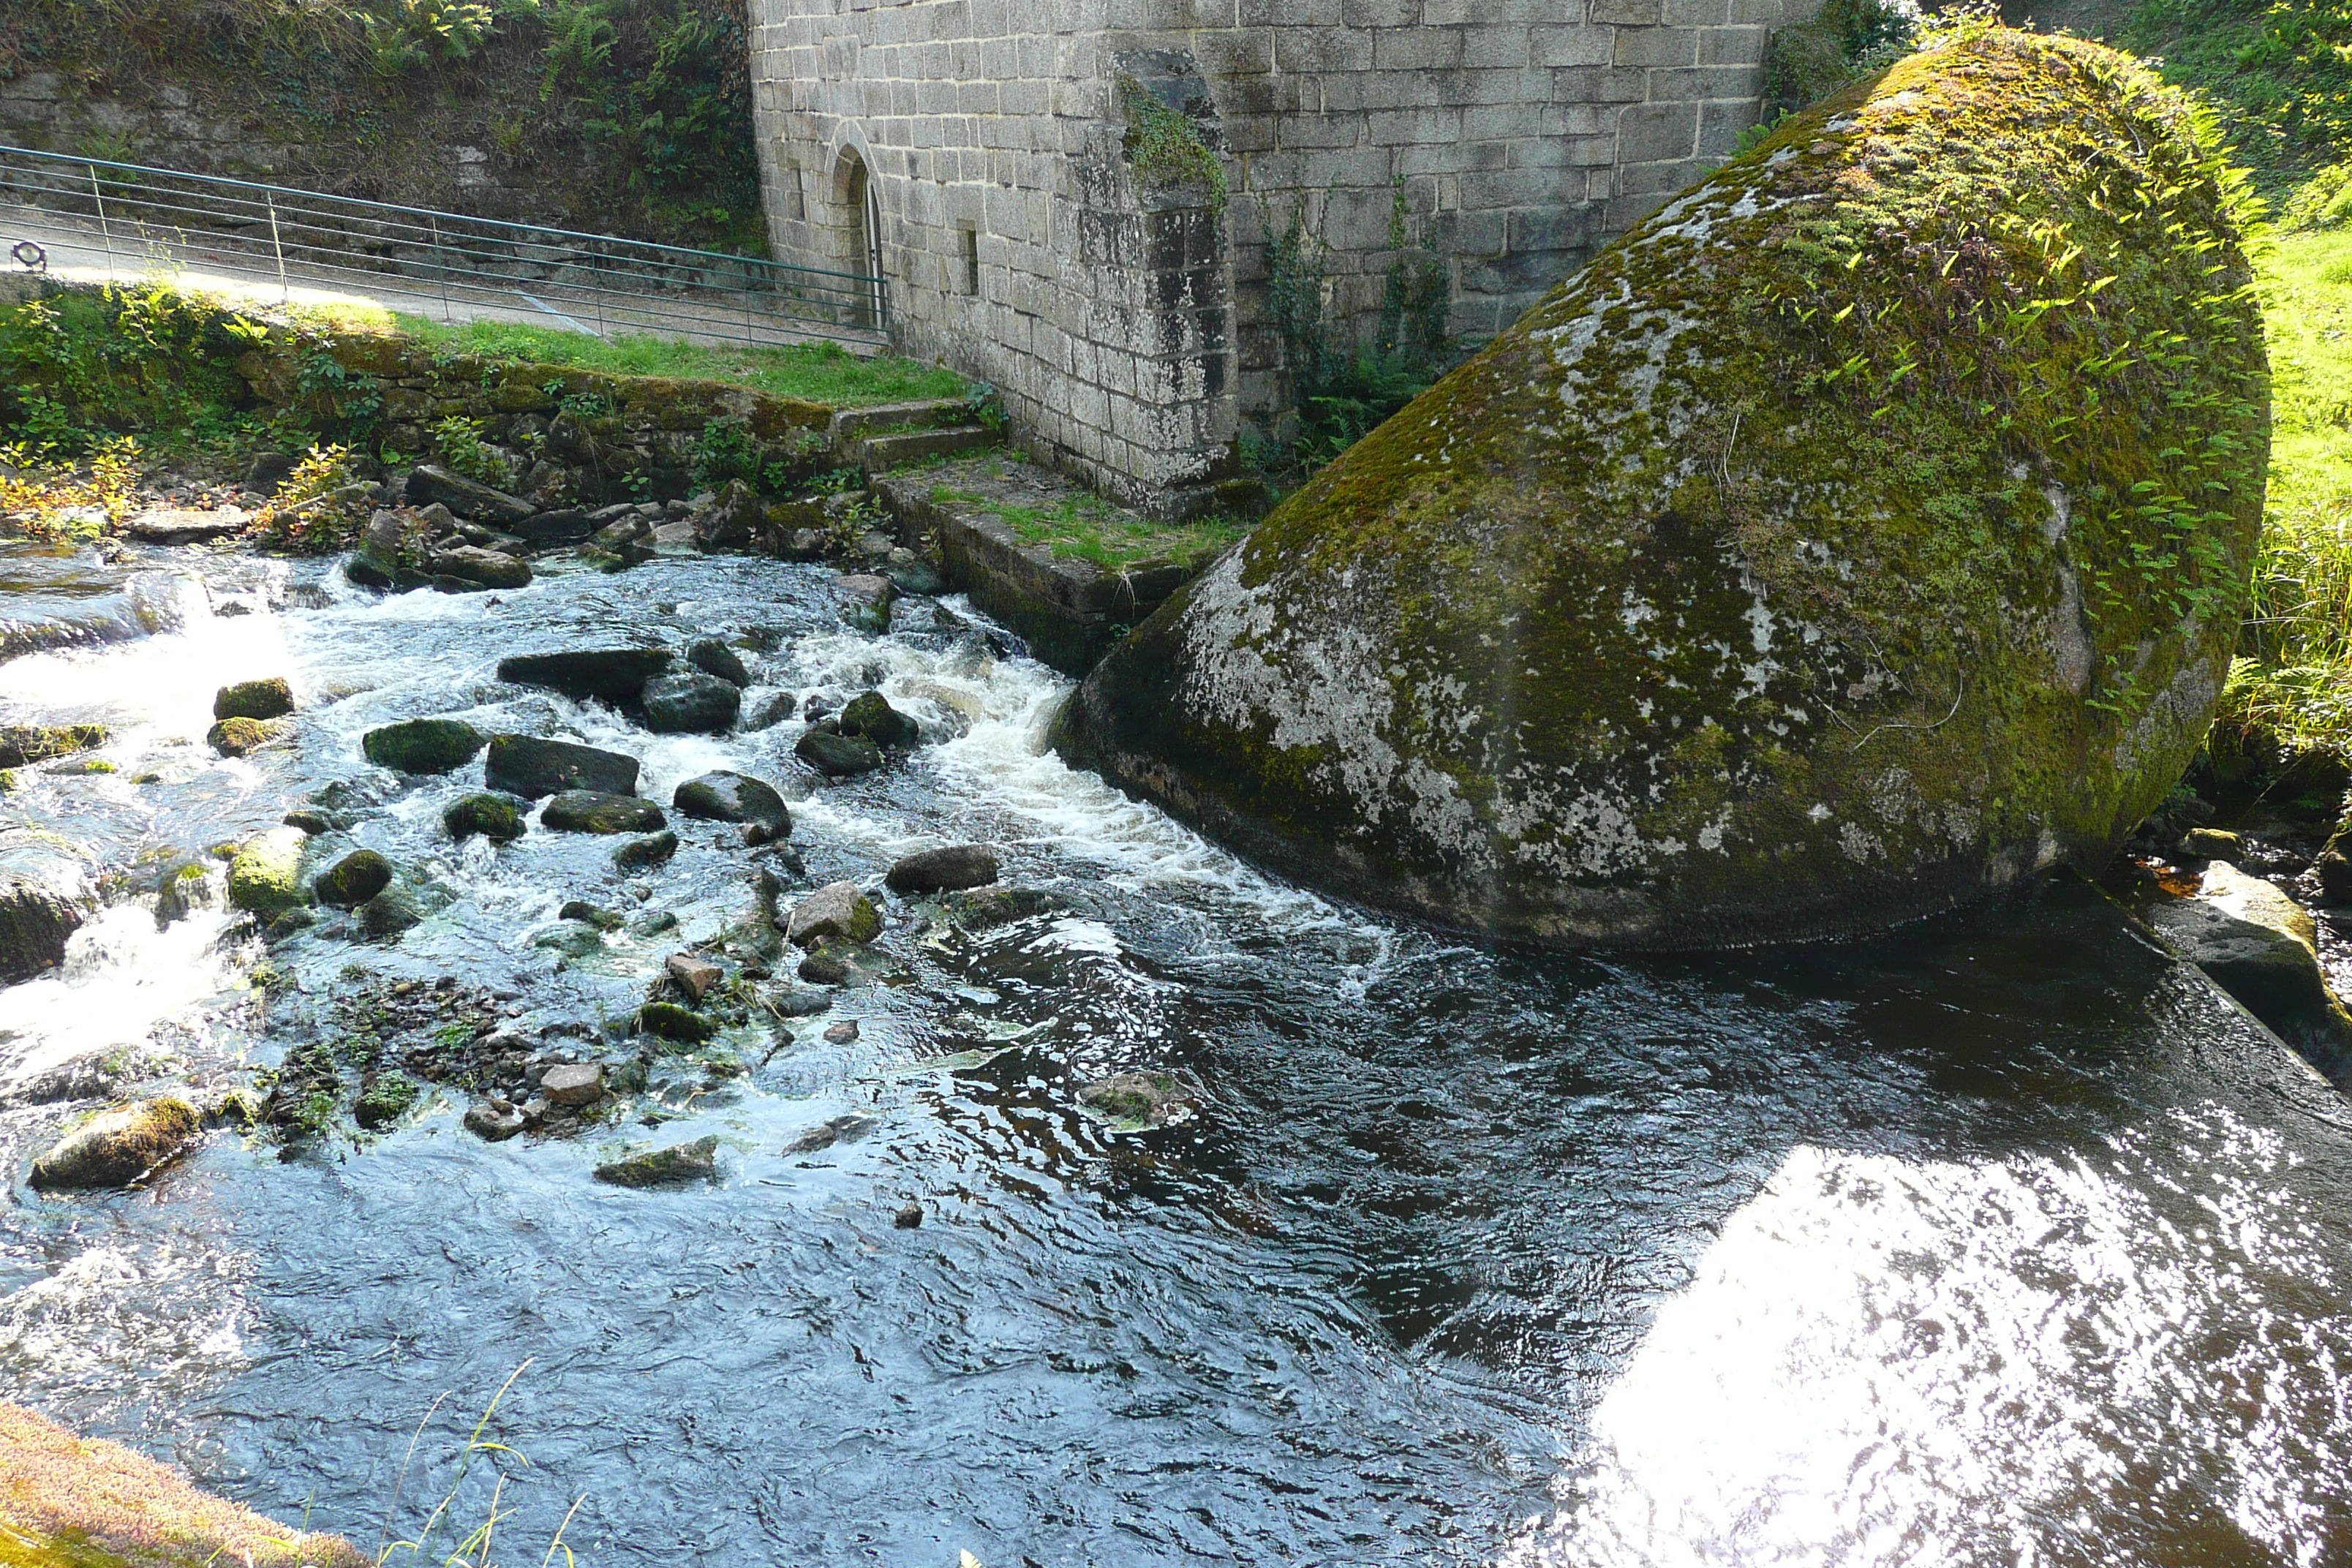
[[573, 1083], [841, 1034], [683, 1163], [497, 817], [654, 850], [951, 868], [494, 1119], [694, 976], [834, 912], [802, 1004], [908, 1219], [823, 968], [354, 879], [581, 910], [672, 1022]]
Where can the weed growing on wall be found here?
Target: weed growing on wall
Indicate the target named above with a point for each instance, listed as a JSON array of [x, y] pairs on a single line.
[[1166, 148]]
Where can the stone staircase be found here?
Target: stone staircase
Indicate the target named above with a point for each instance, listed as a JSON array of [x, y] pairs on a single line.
[[887, 436]]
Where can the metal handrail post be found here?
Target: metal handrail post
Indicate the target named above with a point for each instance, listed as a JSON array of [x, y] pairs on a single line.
[[106, 233], [285, 293], [441, 266]]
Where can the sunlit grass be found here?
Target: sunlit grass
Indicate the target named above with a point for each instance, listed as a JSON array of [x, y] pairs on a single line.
[[2295, 677], [820, 372]]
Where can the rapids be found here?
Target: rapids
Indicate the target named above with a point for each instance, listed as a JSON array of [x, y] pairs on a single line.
[[2007, 1241]]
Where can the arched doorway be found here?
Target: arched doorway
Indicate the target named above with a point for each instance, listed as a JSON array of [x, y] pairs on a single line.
[[865, 238]]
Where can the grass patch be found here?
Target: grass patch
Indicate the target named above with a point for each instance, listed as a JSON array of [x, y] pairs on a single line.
[[2278, 73], [2294, 675], [1088, 528], [820, 372]]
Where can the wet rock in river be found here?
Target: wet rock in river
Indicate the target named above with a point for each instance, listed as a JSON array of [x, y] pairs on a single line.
[[391, 912], [984, 908], [1735, 594], [618, 545], [908, 1217], [1140, 1098], [825, 967], [668, 1021], [532, 766], [834, 912], [866, 601], [266, 876], [497, 817], [690, 701], [310, 819], [2333, 869], [870, 715], [36, 923], [272, 698], [734, 798], [591, 811], [383, 1099], [944, 870], [615, 674], [484, 568], [21, 744], [715, 657], [572, 1084], [694, 976], [118, 1146], [771, 711], [423, 746], [495, 1117], [2259, 946], [727, 523], [835, 754], [429, 483], [242, 737], [2211, 844], [586, 914], [678, 1165], [354, 879], [654, 850]]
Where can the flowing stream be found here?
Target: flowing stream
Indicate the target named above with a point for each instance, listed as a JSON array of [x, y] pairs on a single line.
[[2005, 1242]]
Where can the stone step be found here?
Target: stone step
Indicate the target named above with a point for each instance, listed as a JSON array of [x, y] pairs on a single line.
[[932, 412], [879, 453]]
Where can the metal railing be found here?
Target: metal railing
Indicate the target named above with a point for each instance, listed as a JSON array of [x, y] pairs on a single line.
[[87, 213]]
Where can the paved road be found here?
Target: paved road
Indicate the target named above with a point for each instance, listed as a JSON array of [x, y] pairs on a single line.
[[80, 249]]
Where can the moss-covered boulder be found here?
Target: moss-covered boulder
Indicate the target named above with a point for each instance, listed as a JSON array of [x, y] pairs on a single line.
[[354, 879], [36, 923], [1864, 531], [423, 746], [118, 1146], [271, 698], [497, 817], [241, 737], [266, 876]]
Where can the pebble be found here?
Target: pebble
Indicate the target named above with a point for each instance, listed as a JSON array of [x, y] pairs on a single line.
[[575, 1083], [695, 977], [909, 1217], [841, 1034]]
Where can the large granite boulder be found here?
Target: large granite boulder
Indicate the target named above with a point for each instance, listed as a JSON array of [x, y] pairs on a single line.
[[532, 766], [1864, 531], [36, 923]]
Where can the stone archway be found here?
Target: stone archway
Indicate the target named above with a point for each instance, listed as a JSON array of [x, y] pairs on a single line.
[[854, 234]]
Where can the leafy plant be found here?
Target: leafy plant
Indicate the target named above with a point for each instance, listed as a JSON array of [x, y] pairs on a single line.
[[404, 34], [460, 442], [308, 515], [727, 450]]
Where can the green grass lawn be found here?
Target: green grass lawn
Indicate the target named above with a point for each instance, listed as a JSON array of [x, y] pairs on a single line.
[[820, 372], [2294, 675]]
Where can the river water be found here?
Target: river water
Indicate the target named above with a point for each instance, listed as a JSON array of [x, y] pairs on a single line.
[[2005, 1242]]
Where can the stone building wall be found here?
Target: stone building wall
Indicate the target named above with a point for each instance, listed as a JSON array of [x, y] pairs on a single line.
[[1126, 325]]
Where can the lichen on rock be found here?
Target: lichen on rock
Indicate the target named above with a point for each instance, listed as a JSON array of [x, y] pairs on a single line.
[[1866, 532]]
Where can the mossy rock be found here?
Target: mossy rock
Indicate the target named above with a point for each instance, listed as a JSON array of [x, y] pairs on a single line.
[[671, 1022], [240, 736], [266, 876], [270, 698], [497, 817], [23, 743], [423, 746], [118, 1146], [675, 1166], [1866, 532], [354, 879]]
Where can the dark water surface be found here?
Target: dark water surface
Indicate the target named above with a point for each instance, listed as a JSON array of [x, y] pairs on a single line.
[[2007, 1242]]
